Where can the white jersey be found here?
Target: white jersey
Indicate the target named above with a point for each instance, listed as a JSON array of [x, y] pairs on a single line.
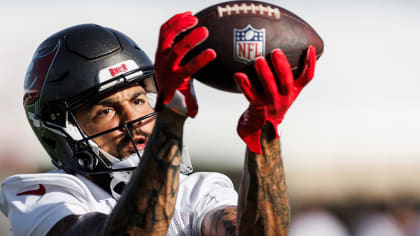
[[34, 203]]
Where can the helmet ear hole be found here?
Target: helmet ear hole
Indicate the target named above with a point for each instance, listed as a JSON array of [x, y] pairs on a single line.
[[85, 160], [55, 114]]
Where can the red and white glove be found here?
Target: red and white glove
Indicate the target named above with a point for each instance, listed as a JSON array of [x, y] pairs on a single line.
[[271, 104], [173, 79]]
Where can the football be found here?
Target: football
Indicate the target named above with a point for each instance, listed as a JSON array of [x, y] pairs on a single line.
[[240, 31]]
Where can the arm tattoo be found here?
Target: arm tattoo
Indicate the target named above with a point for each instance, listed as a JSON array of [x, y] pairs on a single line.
[[220, 221], [148, 201], [263, 207]]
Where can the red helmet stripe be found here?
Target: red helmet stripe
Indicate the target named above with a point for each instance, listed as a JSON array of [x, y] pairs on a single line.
[[36, 75]]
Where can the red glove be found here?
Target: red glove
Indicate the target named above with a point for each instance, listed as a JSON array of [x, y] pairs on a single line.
[[273, 102], [173, 79]]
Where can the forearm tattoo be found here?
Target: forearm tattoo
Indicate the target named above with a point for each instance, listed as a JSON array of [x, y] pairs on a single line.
[[263, 207], [148, 202], [147, 205], [221, 221]]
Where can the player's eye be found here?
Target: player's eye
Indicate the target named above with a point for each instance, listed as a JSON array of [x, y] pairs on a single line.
[[103, 112], [138, 101]]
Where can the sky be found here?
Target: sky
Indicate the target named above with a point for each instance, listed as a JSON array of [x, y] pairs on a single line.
[[361, 109]]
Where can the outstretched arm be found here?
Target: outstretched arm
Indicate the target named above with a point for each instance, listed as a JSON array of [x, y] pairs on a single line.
[[263, 199], [147, 205], [263, 207], [154, 190], [263, 195]]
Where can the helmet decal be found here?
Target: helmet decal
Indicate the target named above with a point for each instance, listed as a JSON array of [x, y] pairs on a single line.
[[37, 72], [115, 70]]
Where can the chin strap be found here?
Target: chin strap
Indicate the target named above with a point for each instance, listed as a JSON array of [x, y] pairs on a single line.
[[133, 160], [124, 177]]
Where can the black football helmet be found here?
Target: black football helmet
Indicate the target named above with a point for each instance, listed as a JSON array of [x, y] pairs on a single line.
[[68, 68]]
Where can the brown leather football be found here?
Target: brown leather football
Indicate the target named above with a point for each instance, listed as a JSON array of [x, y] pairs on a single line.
[[239, 31]]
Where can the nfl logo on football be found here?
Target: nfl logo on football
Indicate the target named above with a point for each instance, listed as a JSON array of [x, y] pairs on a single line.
[[248, 44]]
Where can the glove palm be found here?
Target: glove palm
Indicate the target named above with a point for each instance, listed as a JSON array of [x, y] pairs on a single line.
[[272, 103]]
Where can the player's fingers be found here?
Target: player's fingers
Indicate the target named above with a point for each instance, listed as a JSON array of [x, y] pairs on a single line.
[[308, 68], [266, 78], [179, 23], [197, 63], [175, 18], [190, 40], [283, 71], [244, 84], [173, 27]]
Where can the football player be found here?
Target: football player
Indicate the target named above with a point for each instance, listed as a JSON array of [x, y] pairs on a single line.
[[112, 124]]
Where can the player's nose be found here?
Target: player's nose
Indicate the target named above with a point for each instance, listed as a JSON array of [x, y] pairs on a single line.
[[129, 115]]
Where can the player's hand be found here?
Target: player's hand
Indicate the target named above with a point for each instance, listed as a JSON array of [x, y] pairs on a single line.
[[173, 79], [271, 104]]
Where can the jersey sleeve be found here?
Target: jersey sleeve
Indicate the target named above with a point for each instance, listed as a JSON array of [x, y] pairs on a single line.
[[35, 203], [203, 192]]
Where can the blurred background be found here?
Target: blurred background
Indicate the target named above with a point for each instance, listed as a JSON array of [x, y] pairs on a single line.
[[350, 142]]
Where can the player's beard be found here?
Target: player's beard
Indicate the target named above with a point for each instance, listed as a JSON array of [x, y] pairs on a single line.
[[123, 147]]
